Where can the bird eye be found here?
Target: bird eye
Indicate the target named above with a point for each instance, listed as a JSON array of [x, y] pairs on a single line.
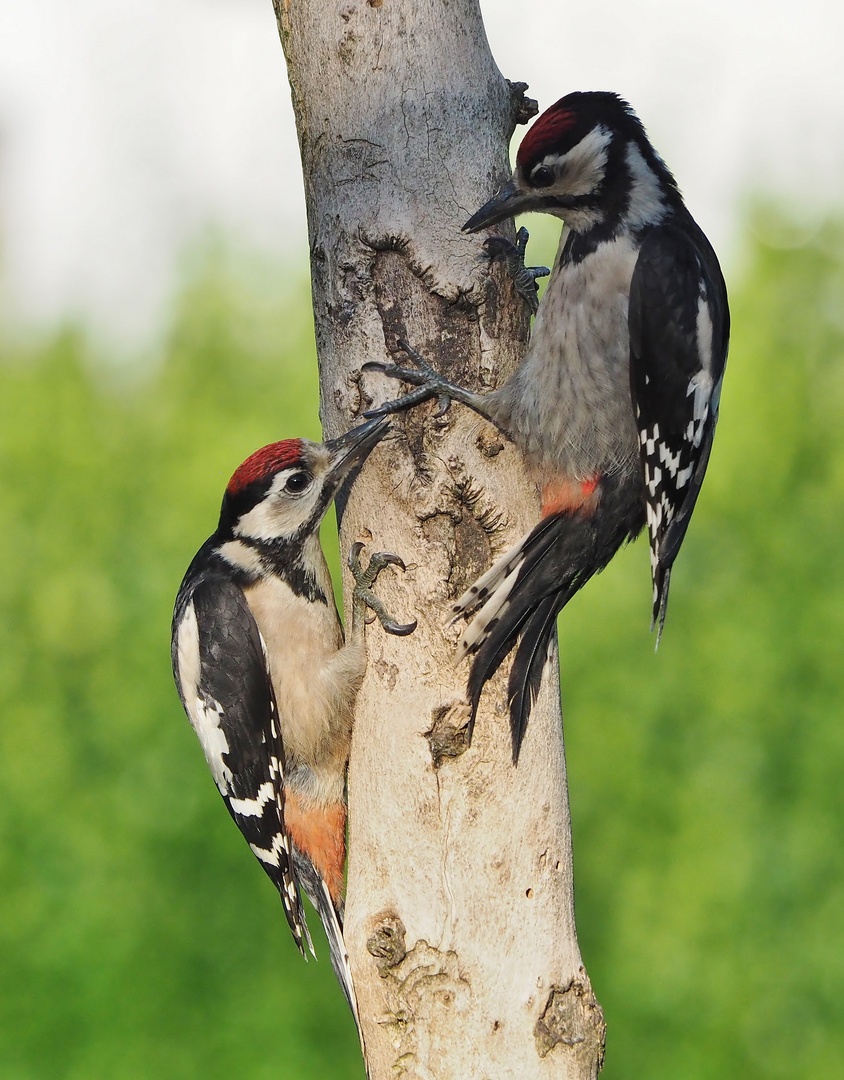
[[297, 482], [542, 176]]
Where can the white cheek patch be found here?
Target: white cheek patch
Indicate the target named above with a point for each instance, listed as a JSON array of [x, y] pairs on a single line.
[[584, 166], [278, 513]]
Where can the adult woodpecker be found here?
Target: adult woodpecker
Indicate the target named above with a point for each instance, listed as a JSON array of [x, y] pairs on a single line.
[[265, 677], [615, 402]]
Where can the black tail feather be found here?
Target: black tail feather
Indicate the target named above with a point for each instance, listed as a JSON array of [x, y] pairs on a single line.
[[488, 660], [560, 555], [541, 590], [662, 579], [528, 665]]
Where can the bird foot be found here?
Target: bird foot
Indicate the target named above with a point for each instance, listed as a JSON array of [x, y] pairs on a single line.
[[365, 598], [428, 383], [513, 257]]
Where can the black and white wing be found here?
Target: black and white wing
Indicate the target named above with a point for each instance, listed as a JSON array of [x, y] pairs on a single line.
[[679, 332], [221, 671]]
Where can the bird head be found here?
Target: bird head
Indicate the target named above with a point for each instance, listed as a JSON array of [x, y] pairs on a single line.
[[587, 160], [283, 490]]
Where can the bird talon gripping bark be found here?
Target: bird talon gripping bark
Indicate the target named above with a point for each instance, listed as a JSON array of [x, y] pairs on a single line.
[[365, 598], [513, 256], [428, 382]]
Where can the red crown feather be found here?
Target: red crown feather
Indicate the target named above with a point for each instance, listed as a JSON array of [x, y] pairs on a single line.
[[265, 462], [546, 133]]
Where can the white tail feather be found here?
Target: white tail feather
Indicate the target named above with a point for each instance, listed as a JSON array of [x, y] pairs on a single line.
[[478, 593], [476, 632]]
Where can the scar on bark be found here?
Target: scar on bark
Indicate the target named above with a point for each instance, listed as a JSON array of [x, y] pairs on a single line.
[[477, 523], [572, 1018], [425, 983], [448, 734], [405, 301], [387, 942]]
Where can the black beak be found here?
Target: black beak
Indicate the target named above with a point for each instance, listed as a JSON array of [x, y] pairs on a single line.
[[351, 450], [506, 204]]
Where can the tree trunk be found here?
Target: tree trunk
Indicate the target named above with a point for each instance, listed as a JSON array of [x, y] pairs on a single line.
[[459, 915]]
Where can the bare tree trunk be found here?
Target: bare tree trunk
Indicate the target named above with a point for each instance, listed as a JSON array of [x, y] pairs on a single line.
[[459, 916]]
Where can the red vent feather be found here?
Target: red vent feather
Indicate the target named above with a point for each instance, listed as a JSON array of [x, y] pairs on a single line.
[[265, 462]]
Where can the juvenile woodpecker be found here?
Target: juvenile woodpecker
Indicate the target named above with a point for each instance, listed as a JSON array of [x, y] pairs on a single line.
[[615, 402], [265, 677]]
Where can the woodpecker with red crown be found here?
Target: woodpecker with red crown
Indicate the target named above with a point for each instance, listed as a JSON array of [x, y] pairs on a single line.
[[265, 677], [615, 402]]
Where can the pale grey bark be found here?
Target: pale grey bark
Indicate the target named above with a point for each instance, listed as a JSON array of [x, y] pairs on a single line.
[[459, 916]]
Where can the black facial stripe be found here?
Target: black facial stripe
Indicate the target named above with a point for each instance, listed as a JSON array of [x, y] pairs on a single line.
[[284, 558], [579, 245]]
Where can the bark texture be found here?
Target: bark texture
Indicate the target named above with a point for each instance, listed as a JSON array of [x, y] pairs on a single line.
[[459, 915]]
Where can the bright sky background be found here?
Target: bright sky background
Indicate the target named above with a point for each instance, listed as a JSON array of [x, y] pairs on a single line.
[[125, 129]]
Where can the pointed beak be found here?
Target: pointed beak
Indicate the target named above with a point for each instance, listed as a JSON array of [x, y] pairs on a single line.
[[506, 204], [351, 450]]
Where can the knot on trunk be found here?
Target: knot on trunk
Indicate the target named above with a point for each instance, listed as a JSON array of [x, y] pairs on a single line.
[[523, 107], [448, 736], [573, 1019], [386, 944]]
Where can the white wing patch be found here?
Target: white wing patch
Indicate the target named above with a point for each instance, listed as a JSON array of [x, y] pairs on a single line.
[[254, 807], [669, 460], [704, 334], [700, 390], [203, 713], [205, 717], [270, 856], [650, 439], [653, 477]]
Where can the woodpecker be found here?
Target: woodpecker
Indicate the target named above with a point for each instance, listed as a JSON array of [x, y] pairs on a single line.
[[265, 677], [615, 402]]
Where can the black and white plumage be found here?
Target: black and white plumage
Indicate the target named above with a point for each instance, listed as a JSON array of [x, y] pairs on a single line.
[[224, 682], [264, 674], [679, 333], [615, 402]]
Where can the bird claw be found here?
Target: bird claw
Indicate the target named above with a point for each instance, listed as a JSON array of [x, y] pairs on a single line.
[[513, 257], [365, 598], [428, 383]]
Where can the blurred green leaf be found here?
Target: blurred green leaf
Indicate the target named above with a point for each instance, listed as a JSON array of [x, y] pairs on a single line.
[[137, 936]]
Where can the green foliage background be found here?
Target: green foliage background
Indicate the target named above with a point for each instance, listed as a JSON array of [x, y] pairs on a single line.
[[138, 938]]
